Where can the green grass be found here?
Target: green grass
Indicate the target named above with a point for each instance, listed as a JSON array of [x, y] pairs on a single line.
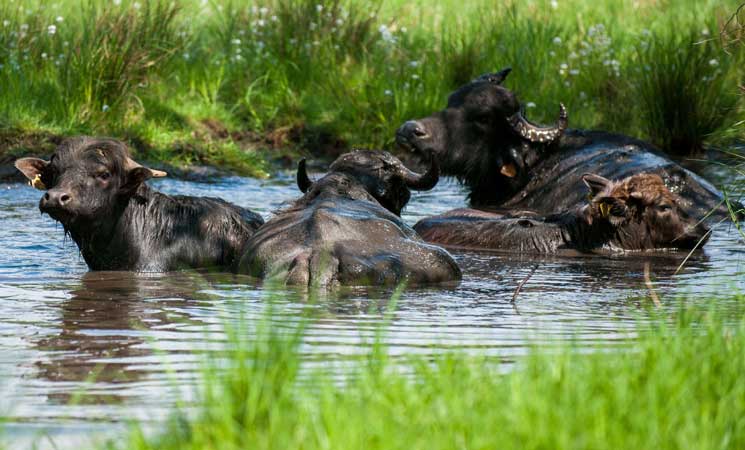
[[677, 384], [208, 82]]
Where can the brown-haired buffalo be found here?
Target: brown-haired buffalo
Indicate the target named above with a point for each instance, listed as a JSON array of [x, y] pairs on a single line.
[[98, 194], [483, 139], [346, 229], [637, 213]]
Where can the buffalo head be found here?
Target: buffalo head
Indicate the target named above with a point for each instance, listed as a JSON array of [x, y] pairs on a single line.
[[482, 136], [85, 180], [378, 174], [644, 213]]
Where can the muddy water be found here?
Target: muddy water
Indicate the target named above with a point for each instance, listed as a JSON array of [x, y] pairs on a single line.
[[127, 340]]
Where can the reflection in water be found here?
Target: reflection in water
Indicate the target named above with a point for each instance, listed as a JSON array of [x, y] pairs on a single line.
[[128, 340], [104, 324]]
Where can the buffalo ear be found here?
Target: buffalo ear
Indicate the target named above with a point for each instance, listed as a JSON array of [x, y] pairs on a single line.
[[596, 183], [134, 178], [33, 169], [499, 77]]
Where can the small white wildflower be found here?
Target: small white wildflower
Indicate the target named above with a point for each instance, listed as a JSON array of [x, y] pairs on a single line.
[[105, 108], [336, 47], [567, 83], [557, 40], [530, 105], [552, 53], [275, 19], [386, 34], [6, 22], [414, 63], [51, 29], [261, 22], [564, 66], [573, 55], [404, 30], [263, 10], [65, 44], [59, 19], [312, 25], [713, 62], [339, 22], [316, 43], [319, 7], [44, 55], [241, 32], [646, 32], [117, 2], [574, 72], [554, 4], [136, 5], [414, 77], [407, 85], [254, 9], [293, 41], [24, 27], [388, 92], [187, 56], [582, 95], [260, 44], [705, 32], [236, 41]]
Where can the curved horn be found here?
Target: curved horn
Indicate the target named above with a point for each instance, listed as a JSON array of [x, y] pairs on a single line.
[[303, 180], [130, 164], [538, 134], [422, 182]]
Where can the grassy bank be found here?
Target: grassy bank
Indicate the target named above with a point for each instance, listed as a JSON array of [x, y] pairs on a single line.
[[676, 385], [225, 83]]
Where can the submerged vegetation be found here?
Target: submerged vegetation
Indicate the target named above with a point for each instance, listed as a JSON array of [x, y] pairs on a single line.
[[676, 384], [220, 82]]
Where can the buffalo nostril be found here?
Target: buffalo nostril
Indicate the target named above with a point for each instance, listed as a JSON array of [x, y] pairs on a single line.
[[64, 198], [414, 129], [46, 196]]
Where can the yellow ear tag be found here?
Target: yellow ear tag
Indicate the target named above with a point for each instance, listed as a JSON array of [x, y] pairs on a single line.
[[604, 209], [508, 170], [37, 183]]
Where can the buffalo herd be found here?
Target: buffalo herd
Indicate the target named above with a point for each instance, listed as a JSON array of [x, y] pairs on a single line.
[[532, 189]]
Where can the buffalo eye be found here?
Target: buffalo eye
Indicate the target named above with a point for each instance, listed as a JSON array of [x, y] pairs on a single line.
[[104, 175], [664, 208]]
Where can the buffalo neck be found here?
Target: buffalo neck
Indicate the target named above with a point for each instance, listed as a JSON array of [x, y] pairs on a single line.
[[114, 242]]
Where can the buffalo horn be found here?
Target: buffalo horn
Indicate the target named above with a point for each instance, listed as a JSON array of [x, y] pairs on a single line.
[[303, 180], [537, 134], [423, 182]]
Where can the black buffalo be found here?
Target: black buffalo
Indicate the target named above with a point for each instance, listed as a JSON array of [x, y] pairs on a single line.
[[483, 139], [638, 213], [99, 195], [346, 229]]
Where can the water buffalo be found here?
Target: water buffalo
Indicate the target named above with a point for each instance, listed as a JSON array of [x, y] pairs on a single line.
[[98, 194], [346, 229], [637, 213], [484, 140]]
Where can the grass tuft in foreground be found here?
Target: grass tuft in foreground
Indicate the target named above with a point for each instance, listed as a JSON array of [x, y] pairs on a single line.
[[677, 385]]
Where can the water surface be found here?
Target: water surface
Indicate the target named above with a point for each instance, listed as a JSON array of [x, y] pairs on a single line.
[[127, 340]]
